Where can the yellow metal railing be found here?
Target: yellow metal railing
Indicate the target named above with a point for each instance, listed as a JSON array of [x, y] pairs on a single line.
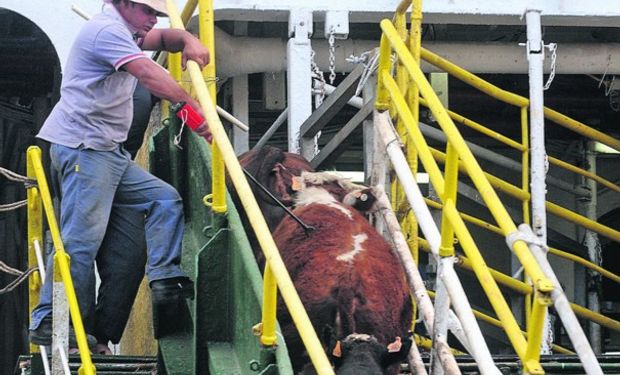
[[497, 323], [275, 268], [517, 100], [559, 253], [526, 289], [62, 271], [389, 96], [552, 208], [35, 234]]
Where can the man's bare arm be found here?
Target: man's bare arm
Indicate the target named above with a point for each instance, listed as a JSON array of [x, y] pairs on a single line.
[[175, 40], [162, 85]]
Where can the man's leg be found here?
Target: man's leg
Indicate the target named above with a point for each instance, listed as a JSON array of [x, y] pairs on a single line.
[[88, 181], [163, 209], [120, 261]]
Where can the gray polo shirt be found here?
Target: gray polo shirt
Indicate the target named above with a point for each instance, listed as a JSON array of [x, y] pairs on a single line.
[[95, 108]]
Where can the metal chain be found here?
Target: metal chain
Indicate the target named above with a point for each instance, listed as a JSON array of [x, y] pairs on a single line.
[[332, 57], [550, 335], [319, 76], [552, 47]]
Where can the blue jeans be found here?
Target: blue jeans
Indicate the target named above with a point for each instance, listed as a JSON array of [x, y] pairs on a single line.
[[95, 187]]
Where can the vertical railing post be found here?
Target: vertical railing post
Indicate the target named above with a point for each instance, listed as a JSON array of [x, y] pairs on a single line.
[[446, 253], [270, 300], [594, 247], [525, 180], [299, 80], [35, 233], [206, 20], [536, 56]]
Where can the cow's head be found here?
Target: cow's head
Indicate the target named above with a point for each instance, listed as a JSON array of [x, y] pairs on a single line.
[[360, 354], [342, 189]]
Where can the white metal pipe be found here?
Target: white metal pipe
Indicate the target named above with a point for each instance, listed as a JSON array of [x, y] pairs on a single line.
[[594, 247], [44, 360], [414, 279], [241, 138], [246, 55], [272, 129], [538, 156], [440, 331], [65, 361], [478, 348], [562, 307], [39, 255], [299, 94]]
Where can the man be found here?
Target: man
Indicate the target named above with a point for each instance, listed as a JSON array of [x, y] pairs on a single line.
[[97, 177]]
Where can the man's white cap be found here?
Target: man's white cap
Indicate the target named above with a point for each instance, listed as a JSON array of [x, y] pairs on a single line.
[[159, 5]]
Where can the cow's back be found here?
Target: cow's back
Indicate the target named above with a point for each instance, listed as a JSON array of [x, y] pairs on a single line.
[[345, 269]]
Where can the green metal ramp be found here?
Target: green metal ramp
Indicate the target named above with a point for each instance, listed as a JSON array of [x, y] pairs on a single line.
[[217, 253]]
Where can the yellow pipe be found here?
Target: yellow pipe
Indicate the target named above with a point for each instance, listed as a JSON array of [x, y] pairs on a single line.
[[413, 99], [552, 208], [559, 253], [206, 20], [583, 172], [270, 304], [525, 162], [584, 262], [414, 132], [525, 289], [583, 221], [596, 317], [385, 55], [535, 328], [471, 164], [426, 343], [35, 233], [446, 248], [495, 322], [272, 256], [517, 100], [481, 129], [524, 148], [486, 281], [61, 261]]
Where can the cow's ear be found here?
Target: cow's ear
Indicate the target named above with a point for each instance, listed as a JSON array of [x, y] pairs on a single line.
[[396, 351], [297, 183], [337, 351]]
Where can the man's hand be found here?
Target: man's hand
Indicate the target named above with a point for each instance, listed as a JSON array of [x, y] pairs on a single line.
[[203, 129], [195, 51]]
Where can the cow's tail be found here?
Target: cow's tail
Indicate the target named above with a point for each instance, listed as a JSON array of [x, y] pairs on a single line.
[[344, 321]]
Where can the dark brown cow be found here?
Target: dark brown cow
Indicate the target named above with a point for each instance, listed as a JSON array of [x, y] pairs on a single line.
[[274, 169], [347, 278]]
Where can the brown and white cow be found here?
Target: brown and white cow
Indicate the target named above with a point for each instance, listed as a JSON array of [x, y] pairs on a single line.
[[347, 278], [345, 273]]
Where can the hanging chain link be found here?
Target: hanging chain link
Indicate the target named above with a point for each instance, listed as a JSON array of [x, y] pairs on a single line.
[[319, 89], [332, 57], [552, 47]]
